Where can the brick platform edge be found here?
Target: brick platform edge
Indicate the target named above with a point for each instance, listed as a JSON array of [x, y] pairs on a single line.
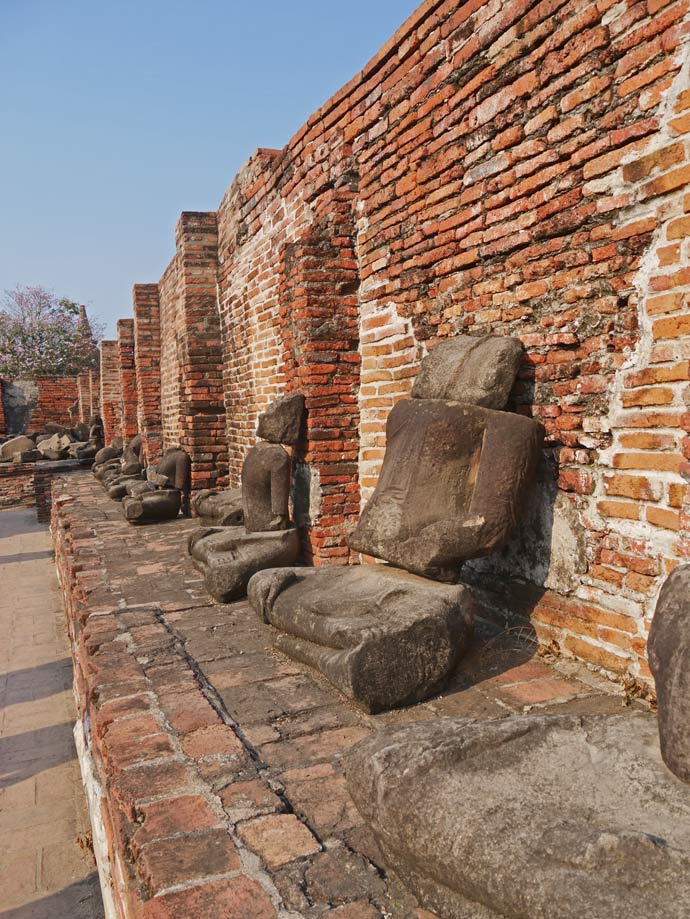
[[29, 484]]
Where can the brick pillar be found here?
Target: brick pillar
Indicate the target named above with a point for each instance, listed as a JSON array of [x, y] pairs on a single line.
[[94, 392], [128, 382], [147, 363], [84, 396], [320, 319], [3, 425], [111, 393], [202, 403]]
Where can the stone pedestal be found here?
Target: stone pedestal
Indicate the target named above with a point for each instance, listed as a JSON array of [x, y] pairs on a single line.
[[382, 636]]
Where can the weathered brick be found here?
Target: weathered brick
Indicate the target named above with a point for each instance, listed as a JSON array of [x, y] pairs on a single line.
[[279, 839], [168, 862]]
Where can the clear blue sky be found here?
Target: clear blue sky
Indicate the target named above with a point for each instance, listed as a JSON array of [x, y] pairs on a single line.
[[116, 115]]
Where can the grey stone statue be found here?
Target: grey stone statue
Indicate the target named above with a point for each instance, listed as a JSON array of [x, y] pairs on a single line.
[[106, 459], [129, 468], [453, 484], [229, 555], [668, 650], [164, 493], [96, 439], [219, 509]]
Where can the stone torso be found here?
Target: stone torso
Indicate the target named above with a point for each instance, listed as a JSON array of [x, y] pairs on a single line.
[[266, 488]]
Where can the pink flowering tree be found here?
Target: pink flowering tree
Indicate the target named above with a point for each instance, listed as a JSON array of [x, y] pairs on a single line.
[[43, 335]]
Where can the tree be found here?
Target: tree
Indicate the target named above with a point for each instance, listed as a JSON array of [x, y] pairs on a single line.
[[44, 335]]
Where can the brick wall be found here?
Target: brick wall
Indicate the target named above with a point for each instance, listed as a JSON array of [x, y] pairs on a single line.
[[84, 396], [3, 427], [147, 360], [17, 485], [88, 394], [192, 402], [29, 484], [128, 382], [55, 395], [288, 299], [95, 392], [111, 390], [512, 169]]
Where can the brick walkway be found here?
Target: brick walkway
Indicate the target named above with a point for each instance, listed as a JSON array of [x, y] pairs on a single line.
[[44, 872], [221, 759]]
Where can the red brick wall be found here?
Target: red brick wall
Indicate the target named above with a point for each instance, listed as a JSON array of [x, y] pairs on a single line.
[[147, 360], [192, 402], [111, 391], [55, 395], [171, 367], [94, 392], [17, 485], [512, 169], [128, 382], [288, 298], [84, 396], [492, 153]]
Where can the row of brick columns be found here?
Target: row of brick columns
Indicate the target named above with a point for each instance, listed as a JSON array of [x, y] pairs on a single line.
[[193, 416], [164, 376]]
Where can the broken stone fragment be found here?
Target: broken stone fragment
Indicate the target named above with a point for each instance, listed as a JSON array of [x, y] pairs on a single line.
[[56, 447], [281, 423], [480, 371], [27, 456], [16, 445], [668, 650], [556, 817]]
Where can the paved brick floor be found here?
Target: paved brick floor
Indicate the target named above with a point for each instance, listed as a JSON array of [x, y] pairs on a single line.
[[222, 760], [44, 871]]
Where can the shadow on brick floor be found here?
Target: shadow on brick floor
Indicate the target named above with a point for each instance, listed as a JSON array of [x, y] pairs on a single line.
[[25, 755], [25, 557], [77, 901], [31, 683]]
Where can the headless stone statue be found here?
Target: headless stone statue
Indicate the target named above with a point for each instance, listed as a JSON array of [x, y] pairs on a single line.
[[96, 439], [668, 650], [453, 484], [164, 493], [266, 488], [228, 556], [129, 468], [107, 458]]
